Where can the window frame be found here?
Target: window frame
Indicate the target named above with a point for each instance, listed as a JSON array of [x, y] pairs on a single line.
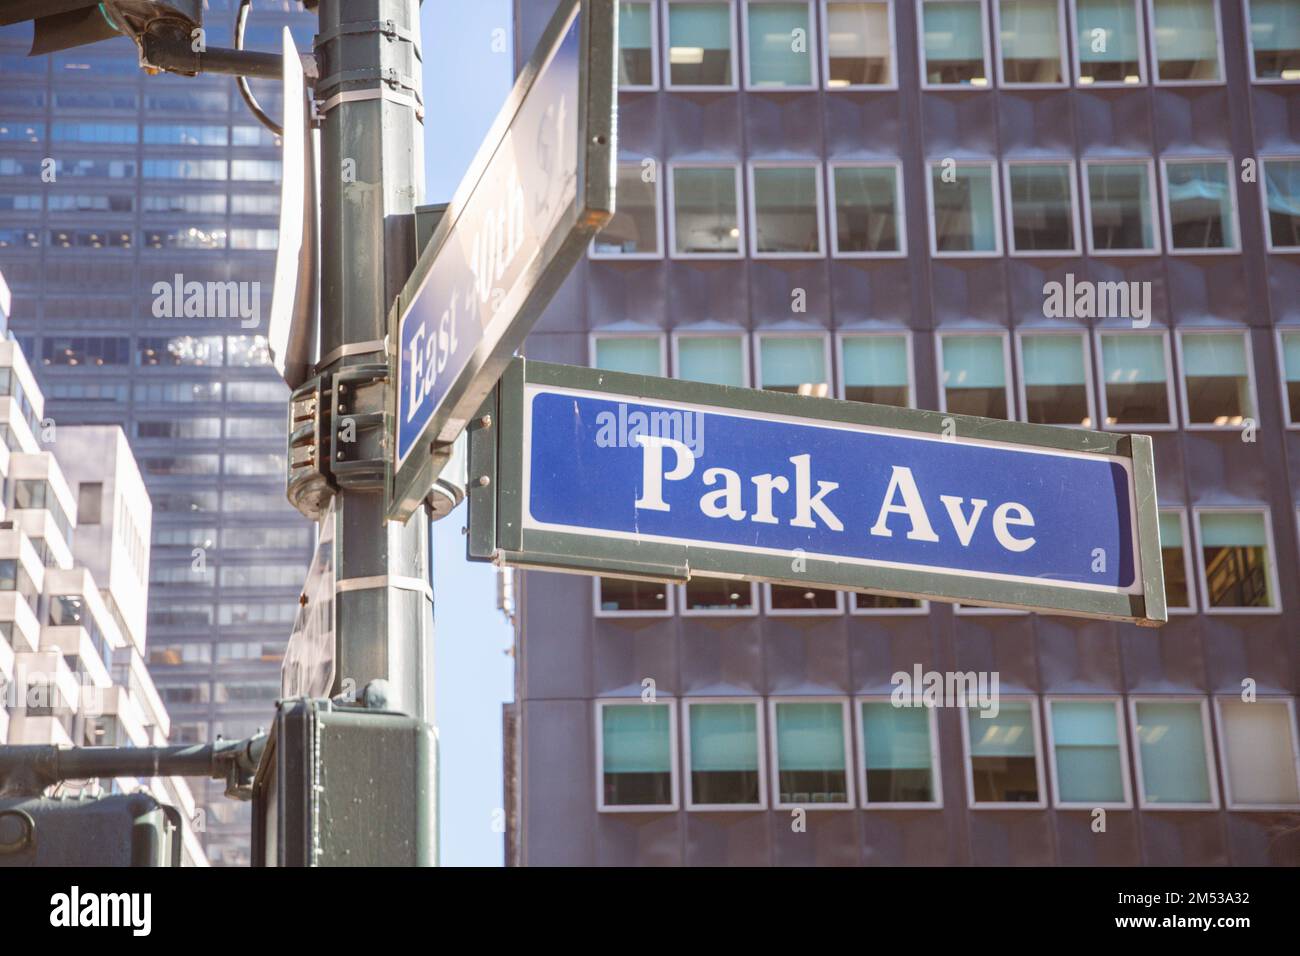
[[1244, 335], [654, 50], [676, 336], [892, 84], [1211, 767], [995, 184], [1250, 52], [1155, 60], [774, 761], [841, 380], [920, 51], [1075, 215], [1063, 39], [1009, 380], [1039, 759], [1279, 334], [665, 44], [1167, 218], [674, 756], [1203, 584], [770, 611], [1144, 53], [814, 55], [1222, 753], [1171, 395], [598, 612], [851, 606], [1088, 372], [761, 724], [936, 771], [1262, 181], [741, 202], [659, 220], [751, 197], [751, 611], [811, 333], [1153, 203], [1121, 736], [594, 337], [900, 211], [1189, 561]]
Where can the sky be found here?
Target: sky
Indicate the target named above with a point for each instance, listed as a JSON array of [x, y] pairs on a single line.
[[468, 69]]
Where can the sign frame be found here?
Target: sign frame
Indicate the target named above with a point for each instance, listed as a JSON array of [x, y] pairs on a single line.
[[408, 481], [496, 531]]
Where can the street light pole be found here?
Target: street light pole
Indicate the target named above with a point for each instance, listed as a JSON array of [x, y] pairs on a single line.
[[372, 159]]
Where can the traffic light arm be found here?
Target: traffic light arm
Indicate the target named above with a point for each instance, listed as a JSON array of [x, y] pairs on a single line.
[[28, 770]]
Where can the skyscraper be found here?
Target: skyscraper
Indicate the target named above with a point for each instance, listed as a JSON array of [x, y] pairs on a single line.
[[121, 194], [1070, 212]]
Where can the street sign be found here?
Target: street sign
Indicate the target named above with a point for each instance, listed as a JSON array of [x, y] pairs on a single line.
[[541, 186], [630, 476]]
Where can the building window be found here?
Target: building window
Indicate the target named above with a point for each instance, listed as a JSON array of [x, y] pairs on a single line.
[[706, 213], [1288, 345], [811, 754], [859, 45], [1274, 35], [1172, 742], [1121, 207], [1175, 557], [954, 50], [788, 600], [700, 49], [634, 229], [786, 211], [973, 375], [1002, 756], [89, 496], [1257, 747], [1135, 379], [1055, 383], [964, 219], [724, 755], [1200, 206], [1031, 42], [620, 597], [779, 45], [867, 205], [1236, 561], [1043, 208], [1218, 387], [1089, 757], [637, 68], [1185, 35], [718, 597], [1281, 196], [637, 756], [1108, 43], [877, 368], [635, 354], [886, 604], [797, 364], [715, 359], [899, 758]]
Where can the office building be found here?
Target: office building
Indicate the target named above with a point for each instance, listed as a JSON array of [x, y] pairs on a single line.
[[120, 194], [1070, 212]]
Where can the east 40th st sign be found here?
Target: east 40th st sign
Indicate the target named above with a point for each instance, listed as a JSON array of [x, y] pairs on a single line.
[[604, 473]]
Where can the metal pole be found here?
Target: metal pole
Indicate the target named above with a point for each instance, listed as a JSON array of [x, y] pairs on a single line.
[[372, 165]]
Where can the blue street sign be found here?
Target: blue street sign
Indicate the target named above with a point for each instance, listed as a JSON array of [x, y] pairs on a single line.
[[708, 480], [540, 187]]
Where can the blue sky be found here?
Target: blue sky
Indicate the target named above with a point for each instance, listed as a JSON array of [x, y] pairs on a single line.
[[465, 83]]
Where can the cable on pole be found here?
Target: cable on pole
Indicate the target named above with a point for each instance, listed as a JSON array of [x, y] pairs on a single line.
[[241, 20]]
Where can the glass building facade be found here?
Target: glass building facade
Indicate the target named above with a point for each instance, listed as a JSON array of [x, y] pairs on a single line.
[[121, 194], [1070, 212]]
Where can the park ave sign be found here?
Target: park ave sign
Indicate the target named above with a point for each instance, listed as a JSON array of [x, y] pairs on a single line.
[[613, 474]]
